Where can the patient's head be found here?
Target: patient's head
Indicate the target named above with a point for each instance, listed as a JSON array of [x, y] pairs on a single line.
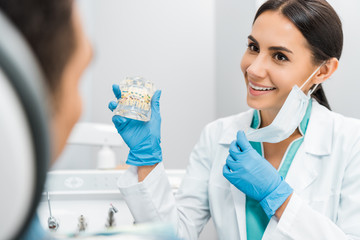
[[55, 34]]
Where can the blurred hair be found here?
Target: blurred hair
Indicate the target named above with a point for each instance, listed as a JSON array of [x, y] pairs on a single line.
[[47, 26]]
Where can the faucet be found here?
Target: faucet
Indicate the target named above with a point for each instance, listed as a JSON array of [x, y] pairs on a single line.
[[82, 225], [111, 220]]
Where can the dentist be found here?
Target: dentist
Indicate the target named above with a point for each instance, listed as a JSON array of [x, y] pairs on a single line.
[[289, 168]]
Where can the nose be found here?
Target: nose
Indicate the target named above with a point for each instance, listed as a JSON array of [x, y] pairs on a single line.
[[257, 68]]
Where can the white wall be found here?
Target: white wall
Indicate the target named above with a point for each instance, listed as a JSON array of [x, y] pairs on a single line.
[[233, 25], [342, 89], [168, 42]]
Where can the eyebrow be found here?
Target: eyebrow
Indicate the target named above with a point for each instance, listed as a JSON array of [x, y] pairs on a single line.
[[274, 48]]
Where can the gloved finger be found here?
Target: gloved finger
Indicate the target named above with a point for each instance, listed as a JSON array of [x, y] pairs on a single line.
[[112, 105], [242, 141], [119, 122], [232, 163], [234, 151], [116, 90], [226, 171], [155, 101]]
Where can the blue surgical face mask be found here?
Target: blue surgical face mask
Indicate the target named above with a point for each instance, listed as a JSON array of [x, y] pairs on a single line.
[[288, 118]]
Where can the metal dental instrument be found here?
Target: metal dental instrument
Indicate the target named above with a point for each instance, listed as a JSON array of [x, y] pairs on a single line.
[[52, 222]]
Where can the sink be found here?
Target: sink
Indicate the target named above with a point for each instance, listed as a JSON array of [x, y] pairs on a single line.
[[83, 199]]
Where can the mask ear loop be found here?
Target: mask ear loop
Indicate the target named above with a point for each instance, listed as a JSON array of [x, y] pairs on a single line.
[[313, 89], [316, 85]]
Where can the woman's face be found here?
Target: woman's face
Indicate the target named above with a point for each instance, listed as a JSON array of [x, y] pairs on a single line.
[[69, 105], [277, 58]]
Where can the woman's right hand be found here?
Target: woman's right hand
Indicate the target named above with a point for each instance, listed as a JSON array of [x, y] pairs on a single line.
[[143, 138]]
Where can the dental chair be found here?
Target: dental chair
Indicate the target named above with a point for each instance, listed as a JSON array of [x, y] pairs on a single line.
[[24, 134]]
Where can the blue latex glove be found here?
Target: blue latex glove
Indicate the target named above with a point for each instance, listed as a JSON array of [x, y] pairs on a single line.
[[143, 138], [255, 176]]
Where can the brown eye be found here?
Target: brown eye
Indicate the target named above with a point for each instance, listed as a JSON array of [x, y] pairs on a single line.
[[280, 57], [253, 48]]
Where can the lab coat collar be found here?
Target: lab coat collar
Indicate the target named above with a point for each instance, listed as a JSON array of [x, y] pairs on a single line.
[[318, 138], [241, 121]]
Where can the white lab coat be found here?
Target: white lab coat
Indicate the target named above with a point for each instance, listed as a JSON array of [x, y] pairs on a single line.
[[325, 176]]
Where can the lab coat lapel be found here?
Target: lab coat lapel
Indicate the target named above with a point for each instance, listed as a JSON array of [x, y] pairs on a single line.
[[316, 147], [239, 202], [240, 122], [319, 134], [307, 163], [303, 171]]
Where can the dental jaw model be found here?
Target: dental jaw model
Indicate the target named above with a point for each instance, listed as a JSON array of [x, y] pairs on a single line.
[[135, 101]]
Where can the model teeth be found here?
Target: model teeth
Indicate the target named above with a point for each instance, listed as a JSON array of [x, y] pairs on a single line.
[[260, 88]]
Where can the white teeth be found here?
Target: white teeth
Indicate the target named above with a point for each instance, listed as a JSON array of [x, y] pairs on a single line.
[[260, 88]]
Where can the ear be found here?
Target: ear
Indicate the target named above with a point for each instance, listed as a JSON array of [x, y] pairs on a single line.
[[326, 70]]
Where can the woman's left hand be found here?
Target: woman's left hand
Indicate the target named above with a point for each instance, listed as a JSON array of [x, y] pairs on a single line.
[[255, 176]]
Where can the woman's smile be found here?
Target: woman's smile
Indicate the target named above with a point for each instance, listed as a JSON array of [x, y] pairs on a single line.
[[256, 89]]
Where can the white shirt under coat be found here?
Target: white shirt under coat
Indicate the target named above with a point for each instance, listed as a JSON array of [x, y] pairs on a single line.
[[325, 176]]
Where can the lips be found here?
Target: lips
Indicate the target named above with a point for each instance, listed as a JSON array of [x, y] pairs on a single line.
[[257, 89], [260, 88]]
